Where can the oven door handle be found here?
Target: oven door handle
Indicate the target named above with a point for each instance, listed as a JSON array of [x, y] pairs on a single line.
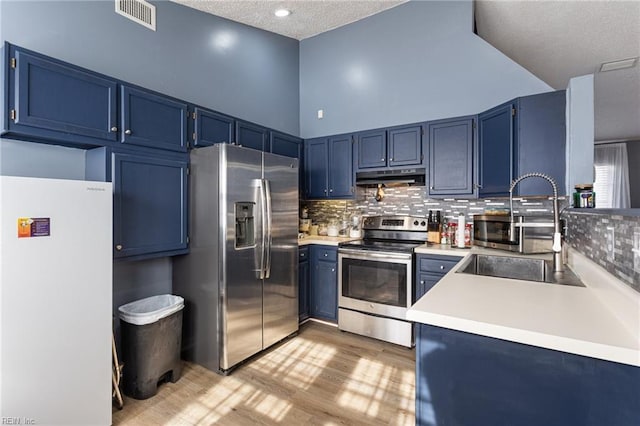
[[375, 255]]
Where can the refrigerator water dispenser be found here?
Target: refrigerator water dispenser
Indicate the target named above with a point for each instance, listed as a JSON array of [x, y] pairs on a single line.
[[245, 225]]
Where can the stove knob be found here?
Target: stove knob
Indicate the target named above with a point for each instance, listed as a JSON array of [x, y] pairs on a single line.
[[415, 222], [423, 223]]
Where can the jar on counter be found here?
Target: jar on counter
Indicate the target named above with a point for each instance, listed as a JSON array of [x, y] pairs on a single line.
[[467, 234], [584, 197], [453, 234], [444, 235]]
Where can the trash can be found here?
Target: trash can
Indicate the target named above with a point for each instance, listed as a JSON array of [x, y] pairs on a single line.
[[151, 336]]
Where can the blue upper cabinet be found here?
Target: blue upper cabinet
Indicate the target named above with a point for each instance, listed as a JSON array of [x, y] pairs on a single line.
[[211, 127], [328, 165], [541, 141], [149, 205], [252, 136], [341, 166], [495, 142], [315, 168], [522, 136], [152, 120], [372, 149], [392, 147], [451, 157], [283, 144], [48, 99], [405, 145], [289, 146]]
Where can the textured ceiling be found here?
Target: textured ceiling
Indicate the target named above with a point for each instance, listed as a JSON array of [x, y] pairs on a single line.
[[308, 18], [558, 40]]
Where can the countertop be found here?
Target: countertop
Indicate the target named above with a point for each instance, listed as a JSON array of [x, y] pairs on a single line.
[[323, 240], [601, 320]]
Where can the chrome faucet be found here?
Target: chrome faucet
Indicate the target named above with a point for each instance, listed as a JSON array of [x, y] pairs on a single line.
[[558, 265]]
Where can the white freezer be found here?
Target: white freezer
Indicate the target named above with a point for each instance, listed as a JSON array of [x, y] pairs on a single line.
[[55, 301]]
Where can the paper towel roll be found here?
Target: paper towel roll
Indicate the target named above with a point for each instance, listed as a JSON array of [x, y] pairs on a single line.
[[460, 236]]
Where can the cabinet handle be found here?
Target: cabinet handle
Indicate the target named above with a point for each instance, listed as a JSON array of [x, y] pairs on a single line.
[[114, 129], [333, 269], [390, 159], [382, 159], [331, 190], [325, 255], [325, 191], [422, 282], [431, 187], [119, 247], [441, 266], [477, 185], [127, 132]]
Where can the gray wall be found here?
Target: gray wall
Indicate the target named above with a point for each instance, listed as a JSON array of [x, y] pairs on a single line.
[[198, 57], [418, 61], [633, 154]]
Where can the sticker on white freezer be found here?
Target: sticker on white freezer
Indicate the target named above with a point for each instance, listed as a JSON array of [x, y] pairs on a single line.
[[34, 227]]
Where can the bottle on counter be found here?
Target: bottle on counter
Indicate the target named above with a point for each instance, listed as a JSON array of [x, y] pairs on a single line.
[[467, 234], [453, 233], [444, 235]]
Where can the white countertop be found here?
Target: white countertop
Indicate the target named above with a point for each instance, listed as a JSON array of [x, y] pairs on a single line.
[[323, 240], [601, 320]]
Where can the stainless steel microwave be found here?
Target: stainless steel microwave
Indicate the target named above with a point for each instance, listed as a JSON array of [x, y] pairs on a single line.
[[533, 234]]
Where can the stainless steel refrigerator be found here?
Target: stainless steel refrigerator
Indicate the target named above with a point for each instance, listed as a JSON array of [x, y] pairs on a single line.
[[240, 279]]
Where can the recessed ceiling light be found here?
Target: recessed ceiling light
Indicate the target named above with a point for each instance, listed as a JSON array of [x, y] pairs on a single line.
[[618, 65], [281, 13]]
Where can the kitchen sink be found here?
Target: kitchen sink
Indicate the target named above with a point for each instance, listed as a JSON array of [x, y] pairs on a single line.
[[518, 268]]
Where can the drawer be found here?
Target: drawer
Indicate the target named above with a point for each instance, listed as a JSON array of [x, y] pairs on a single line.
[[303, 254], [328, 254], [437, 264]]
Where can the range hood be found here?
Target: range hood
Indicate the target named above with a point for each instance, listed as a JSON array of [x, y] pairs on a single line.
[[396, 177]]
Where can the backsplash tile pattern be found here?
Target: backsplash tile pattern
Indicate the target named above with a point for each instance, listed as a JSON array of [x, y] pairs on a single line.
[[414, 202], [587, 233]]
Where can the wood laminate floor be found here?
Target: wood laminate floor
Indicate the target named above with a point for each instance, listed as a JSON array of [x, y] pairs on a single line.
[[321, 377]]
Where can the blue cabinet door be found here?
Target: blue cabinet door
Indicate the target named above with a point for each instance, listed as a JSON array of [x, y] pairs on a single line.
[[315, 167], [55, 100], [211, 128], [283, 144], [324, 283], [372, 149], [149, 206], [451, 157], [405, 146], [540, 142], [152, 120], [303, 283], [252, 136], [340, 166], [424, 283], [495, 144]]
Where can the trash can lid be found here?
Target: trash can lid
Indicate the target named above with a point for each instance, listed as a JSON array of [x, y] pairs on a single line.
[[150, 309]]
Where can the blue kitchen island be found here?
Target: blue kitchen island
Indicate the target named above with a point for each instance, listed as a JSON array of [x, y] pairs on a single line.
[[494, 351]]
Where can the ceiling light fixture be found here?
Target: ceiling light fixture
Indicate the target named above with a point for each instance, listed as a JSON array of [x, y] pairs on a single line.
[[281, 13], [618, 65]]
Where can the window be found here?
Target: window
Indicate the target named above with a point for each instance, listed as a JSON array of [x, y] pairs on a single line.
[[611, 176]]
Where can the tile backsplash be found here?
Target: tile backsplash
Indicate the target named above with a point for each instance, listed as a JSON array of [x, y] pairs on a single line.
[[413, 201], [608, 240], [586, 231]]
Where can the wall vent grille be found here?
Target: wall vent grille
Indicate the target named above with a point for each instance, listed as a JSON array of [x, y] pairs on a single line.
[[139, 11]]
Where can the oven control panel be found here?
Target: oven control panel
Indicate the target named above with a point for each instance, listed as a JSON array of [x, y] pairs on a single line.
[[396, 223]]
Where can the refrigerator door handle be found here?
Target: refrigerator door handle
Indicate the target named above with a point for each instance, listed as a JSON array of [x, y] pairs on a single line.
[[267, 191], [263, 228]]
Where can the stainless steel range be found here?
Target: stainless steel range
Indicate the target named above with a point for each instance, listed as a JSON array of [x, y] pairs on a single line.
[[375, 278]]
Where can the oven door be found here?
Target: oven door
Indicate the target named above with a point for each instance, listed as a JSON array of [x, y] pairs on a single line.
[[375, 282]]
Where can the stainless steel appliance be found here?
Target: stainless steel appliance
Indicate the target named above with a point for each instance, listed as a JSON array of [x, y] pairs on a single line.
[[533, 234], [239, 280], [375, 278]]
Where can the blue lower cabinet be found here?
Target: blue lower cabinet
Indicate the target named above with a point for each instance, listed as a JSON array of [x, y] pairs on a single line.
[[424, 283], [324, 283], [464, 379], [303, 283]]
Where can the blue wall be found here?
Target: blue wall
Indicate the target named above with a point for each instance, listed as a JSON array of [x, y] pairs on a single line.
[[418, 61], [198, 57]]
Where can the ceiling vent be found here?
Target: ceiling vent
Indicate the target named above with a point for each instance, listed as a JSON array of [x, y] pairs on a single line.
[[618, 65], [140, 11]]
